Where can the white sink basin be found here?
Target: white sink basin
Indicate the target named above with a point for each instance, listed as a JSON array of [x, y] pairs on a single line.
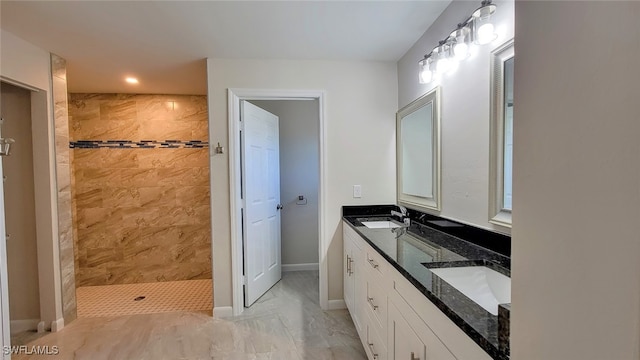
[[380, 224], [484, 286]]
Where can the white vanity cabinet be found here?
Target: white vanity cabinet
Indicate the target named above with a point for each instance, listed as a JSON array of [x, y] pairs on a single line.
[[394, 320]]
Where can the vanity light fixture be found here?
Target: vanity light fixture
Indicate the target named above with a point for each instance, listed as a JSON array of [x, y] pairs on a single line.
[[131, 80], [476, 29]]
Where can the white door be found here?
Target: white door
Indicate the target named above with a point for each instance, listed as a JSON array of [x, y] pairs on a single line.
[[261, 194]]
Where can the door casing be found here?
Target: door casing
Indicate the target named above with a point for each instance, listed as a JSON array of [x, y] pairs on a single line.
[[235, 204]]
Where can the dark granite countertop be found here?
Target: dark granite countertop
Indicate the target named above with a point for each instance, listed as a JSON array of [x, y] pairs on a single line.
[[409, 249]]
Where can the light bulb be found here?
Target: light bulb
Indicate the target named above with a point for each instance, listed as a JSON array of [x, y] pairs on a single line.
[[486, 34], [461, 50], [426, 76], [443, 65]]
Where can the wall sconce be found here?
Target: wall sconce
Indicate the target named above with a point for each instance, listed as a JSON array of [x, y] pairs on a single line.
[[476, 29]]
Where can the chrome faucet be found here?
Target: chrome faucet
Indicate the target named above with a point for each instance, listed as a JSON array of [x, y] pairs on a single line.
[[402, 214]]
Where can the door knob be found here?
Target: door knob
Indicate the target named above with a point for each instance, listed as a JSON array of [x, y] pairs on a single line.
[[279, 207]]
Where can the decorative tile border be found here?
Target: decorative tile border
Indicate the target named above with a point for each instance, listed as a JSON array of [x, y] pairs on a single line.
[[142, 144]]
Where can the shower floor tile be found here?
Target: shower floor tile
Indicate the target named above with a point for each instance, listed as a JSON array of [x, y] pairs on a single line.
[[161, 297]]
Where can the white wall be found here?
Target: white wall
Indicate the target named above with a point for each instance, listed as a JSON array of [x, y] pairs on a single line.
[[464, 113], [24, 63], [576, 243], [361, 101], [299, 172]]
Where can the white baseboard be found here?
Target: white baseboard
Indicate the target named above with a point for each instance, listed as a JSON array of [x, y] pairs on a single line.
[[222, 311], [24, 325], [57, 325], [300, 267], [336, 305]]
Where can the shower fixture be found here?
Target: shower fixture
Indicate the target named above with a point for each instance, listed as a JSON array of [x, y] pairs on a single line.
[[5, 143]]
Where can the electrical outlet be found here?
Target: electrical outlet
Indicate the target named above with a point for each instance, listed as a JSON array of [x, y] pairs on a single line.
[[357, 191]]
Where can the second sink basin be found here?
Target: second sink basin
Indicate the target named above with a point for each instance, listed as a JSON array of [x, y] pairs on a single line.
[[484, 286]]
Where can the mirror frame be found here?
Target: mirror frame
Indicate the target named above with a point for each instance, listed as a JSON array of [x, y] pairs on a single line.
[[411, 201], [497, 214]]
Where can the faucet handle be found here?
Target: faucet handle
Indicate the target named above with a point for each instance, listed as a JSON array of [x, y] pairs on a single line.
[[403, 210]]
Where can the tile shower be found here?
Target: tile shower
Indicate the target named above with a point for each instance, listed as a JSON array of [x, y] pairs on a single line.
[[140, 189]]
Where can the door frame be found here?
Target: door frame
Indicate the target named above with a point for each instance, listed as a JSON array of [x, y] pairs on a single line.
[[46, 199], [234, 97]]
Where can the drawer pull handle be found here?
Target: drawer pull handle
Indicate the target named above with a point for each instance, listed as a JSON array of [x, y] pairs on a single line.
[[413, 356], [372, 263], [373, 352], [348, 265], [374, 306]]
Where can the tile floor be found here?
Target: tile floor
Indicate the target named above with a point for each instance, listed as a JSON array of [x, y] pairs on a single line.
[[25, 337], [285, 324], [160, 297]]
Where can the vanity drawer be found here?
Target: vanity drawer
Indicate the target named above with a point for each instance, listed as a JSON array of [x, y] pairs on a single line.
[[376, 265], [376, 305], [376, 345]]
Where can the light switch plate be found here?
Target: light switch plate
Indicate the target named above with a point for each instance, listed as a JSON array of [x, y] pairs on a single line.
[[357, 191]]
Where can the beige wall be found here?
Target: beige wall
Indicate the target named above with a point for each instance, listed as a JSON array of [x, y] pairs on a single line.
[[27, 64], [465, 113], [22, 257], [576, 242], [361, 101], [299, 174], [143, 215]]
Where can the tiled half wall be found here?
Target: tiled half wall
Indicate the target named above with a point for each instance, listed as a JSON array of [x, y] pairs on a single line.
[[142, 207], [64, 181]]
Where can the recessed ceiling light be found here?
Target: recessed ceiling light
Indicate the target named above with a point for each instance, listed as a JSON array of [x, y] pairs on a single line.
[[131, 80]]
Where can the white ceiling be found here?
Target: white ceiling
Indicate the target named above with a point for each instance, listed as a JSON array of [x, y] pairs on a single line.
[[164, 43]]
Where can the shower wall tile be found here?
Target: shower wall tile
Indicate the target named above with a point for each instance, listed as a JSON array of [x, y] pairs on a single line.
[[64, 186], [143, 214]]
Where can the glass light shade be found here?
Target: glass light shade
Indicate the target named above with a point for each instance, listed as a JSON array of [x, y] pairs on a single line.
[[460, 45], [442, 60], [425, 74], [484, 31], [443, 65], [461, 50]]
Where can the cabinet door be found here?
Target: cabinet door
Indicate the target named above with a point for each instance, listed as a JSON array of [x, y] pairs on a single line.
[[354, 287], [359, 288], [411, 339], [348, 275], [402, 341]]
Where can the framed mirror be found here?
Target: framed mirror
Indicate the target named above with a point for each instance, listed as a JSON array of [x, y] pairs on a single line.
[[501, 160], [418, 153]]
